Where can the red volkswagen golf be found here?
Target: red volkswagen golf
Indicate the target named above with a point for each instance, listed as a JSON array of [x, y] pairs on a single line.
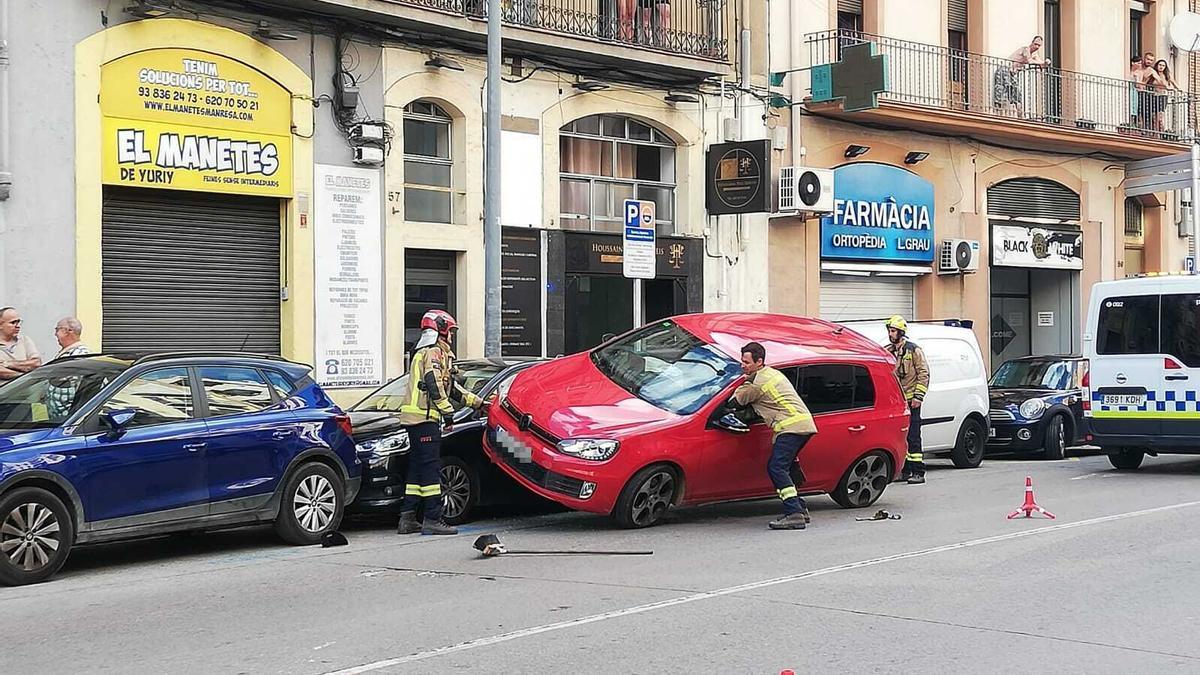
[[642, 423]]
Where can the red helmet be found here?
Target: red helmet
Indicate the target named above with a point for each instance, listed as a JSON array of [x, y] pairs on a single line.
[[438, 320]]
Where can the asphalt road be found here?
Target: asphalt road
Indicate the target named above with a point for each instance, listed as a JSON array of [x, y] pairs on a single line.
[[1110, 586]]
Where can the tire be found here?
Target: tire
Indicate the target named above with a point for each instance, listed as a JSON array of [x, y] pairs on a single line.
[[313, 503], [460, 490], [968, 449], [647, 497], [1126, 459], [864, 481], [29, 555], [1055, 444]]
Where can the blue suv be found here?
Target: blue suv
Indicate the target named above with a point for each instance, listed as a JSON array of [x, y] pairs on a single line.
[[99, 448]]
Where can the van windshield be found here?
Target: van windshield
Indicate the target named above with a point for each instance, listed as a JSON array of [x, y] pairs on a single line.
[[667, 367]]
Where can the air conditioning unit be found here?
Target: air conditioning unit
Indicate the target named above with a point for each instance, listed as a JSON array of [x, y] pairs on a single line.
[[959, 256], [805, 190]]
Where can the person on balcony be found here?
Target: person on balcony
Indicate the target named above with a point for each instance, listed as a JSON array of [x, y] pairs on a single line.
[[1006, 88], [655, 29], [1160, 83]]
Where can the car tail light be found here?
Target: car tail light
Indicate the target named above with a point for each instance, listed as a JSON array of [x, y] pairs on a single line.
[[343, 422], [1171, 364]]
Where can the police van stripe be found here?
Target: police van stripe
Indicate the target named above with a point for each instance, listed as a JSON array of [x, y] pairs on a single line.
[[1164, 405]]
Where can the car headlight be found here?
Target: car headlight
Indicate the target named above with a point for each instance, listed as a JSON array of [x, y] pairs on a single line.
[[594, 449], [387, 446], [1033, 408]]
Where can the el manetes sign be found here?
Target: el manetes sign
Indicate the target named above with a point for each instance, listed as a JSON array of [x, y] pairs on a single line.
[[188, 120]]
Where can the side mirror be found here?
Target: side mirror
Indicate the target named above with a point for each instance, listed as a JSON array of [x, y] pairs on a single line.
[[732, 423], [117, 421]]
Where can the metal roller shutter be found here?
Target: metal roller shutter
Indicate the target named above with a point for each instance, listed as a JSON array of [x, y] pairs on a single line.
[[851, 6], [1032, 198], [845, 298], [187, 270], [957, 16]]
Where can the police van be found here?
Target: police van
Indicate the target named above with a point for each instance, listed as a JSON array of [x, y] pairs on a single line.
[[1142, 341]]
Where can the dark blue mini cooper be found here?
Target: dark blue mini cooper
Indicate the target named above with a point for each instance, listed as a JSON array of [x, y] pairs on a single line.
[[100, 448], [1037, 404]]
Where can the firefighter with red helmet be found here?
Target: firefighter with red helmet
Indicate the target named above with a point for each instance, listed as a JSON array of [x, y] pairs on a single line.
[[431, 388]]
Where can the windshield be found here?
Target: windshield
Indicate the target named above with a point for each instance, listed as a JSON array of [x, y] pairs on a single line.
[[473, 377], [1034, 375], [667, 367], [47, 396]]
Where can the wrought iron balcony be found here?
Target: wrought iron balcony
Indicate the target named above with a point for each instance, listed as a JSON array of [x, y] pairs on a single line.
[[690, 28], [949, 79]]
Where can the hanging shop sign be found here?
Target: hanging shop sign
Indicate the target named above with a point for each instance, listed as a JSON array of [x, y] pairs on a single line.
[[521, 291], [1037, 246], [188, 120], [605, 254], [348, 272], [881, 213], [739, 177]]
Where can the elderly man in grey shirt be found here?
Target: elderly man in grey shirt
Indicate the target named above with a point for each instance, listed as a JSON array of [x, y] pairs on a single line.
[[18, 354]]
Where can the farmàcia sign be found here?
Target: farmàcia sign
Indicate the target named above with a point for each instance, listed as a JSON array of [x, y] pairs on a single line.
[[881, 213]]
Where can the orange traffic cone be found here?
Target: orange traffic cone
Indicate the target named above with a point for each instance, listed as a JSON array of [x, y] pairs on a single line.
[[1030, 504]]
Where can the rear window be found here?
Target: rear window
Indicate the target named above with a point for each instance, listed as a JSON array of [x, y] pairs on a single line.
[[1128, 325], [835, 387]]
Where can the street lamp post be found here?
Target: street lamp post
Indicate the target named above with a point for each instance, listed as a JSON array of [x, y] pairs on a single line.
[[491, 189]]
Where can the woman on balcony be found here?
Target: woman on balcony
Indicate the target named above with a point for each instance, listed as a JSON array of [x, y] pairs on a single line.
[[1006, 89], [1160, 83]]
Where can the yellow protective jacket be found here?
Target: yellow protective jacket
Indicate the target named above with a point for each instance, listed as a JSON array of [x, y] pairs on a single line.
[[912, 370], [775, 400], [431, 387]]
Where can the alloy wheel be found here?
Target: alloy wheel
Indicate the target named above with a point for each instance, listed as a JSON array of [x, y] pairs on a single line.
[[29, 536], [653, 498], [456, 491], [315, 503], [867, 480]]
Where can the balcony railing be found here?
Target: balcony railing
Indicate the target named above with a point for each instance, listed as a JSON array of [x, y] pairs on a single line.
[[691, 28], [939, 77]]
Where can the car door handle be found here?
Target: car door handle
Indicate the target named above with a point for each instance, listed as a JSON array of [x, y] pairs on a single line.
[[860, 427], [193, 447], [280, 434], [1176, 378]]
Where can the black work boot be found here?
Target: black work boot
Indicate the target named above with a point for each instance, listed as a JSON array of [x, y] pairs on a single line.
[[917, 479], [437, 527], [408, 523], [792, 521], [905, 476]]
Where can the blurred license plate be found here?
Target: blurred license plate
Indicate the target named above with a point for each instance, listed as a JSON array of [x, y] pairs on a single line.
[[1124, 399]]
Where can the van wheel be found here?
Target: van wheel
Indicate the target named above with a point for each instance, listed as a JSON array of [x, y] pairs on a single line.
[[968, 451], [1056, 438], [864, 481], [646, 497], [313, 502], [1126, 459], [36, 534]]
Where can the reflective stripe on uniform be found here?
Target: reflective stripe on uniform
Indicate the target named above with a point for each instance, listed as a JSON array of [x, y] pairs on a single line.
[[412, 490], [423, 490], [788, 492], [794, 416], [916, 457]]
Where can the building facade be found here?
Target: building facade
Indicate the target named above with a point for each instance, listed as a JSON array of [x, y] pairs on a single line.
[[1019, 167]]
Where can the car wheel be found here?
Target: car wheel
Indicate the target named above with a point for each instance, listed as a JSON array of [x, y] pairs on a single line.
[[1126, 459], [968, 451], [36, 533], [1056, 438], [646, 498], [864, 481], [313, 502], [460, 490]]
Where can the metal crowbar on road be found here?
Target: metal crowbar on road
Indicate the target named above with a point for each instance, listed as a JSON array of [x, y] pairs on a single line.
[[489, 545], [881, 515]]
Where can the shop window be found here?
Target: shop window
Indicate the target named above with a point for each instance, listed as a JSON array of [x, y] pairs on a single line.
[[427, 163], [606, 159], [429, 283], [1181, 328], [1128, 325]]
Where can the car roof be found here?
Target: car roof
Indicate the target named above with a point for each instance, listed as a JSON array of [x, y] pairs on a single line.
[[1050, 357], [1148, 284], [244, 358], [786, 338]]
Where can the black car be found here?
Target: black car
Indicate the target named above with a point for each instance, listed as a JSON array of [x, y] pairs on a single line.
[[469, 480], [1037, 404]]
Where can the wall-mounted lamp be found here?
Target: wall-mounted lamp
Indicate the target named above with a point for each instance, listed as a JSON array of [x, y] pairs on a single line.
[[590, 85], [439, 61], [914, 157], [265, 32], [857, 150], [681, 98], [148, 10]]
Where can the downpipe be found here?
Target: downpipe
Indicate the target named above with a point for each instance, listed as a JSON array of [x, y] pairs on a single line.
[[5, 160]]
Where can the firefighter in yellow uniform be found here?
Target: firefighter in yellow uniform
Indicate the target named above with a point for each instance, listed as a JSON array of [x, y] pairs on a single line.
[[775, 400], [431, 388], [912, 370]]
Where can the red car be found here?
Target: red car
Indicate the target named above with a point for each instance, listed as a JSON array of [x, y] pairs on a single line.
[[642, 423]]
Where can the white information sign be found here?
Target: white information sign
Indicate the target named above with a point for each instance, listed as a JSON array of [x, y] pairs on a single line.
[[1045, 319], [349, 277], [638, 257]]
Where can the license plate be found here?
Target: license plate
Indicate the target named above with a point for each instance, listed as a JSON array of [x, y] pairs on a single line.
[[992, 432], [1124, 399]]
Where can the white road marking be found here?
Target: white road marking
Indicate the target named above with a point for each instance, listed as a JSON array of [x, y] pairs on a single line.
[[754, 586]]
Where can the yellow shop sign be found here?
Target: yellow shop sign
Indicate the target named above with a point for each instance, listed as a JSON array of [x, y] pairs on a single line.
[[188, 120]]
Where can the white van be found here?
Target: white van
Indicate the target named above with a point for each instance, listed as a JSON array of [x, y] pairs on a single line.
[[955, 411], [1142, 342]]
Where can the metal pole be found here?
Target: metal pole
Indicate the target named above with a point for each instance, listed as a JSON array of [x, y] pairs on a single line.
[[491, 188], [1195, 196], [5, 167], [638, 320]]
